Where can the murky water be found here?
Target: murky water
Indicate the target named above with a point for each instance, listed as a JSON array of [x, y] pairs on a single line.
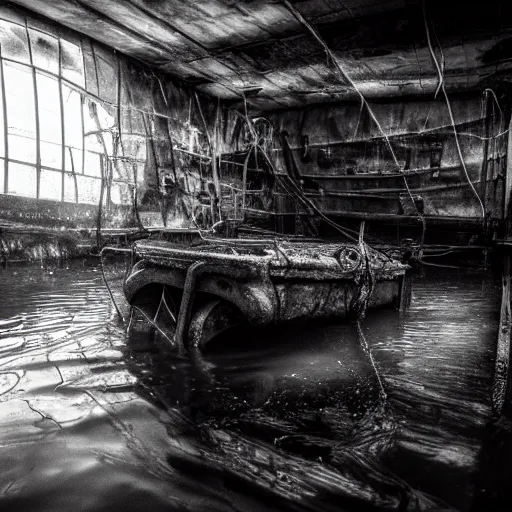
[[292, 418]]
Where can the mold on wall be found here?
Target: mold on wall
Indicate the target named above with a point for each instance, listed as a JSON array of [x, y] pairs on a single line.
[[87, 133]]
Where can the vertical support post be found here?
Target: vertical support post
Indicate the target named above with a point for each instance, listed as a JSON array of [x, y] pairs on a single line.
[[507, 214], [215, 163], [100, 205], [187, 302], [244, 180], [485, 156], [82, 120], [501, 369], [36, 113], [62, 127], [6, 125], [501, 384], [119, 95], [405, 292]]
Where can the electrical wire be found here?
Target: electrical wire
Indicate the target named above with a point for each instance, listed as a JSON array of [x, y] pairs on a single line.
[[343, 74], [345, 77], [442, 66], [450, 112], [302, 199], [154, 324], [502, 117], [296, 191]]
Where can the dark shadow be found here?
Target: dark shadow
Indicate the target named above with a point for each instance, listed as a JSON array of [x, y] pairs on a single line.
[[283, 400]]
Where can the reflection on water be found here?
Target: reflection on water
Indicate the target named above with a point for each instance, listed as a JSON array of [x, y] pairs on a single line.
[[288, 418]]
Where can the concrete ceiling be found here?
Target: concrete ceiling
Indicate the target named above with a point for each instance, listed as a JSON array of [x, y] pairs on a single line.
[[225, 47]]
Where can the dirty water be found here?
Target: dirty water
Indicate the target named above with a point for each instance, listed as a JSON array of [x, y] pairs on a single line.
[[93, 419]]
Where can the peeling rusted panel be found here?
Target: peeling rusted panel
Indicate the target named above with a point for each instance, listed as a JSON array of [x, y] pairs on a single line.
[[270, 283]]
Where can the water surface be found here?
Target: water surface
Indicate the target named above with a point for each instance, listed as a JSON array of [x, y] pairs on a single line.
[[292, 418]]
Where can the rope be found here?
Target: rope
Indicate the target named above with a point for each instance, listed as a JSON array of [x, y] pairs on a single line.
[[360, 305], [154, 325], [368, 351], [102, 252]]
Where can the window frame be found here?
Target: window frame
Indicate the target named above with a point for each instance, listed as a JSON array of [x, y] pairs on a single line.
[[32, 26]]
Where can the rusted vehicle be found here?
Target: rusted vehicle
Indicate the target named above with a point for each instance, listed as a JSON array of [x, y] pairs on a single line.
[[198, 292]]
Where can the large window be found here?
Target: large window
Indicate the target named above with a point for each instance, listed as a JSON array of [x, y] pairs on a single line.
[[21, 112], [45, 51], [13, 38], [58, 140]]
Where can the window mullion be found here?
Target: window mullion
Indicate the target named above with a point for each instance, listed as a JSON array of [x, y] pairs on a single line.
[[62, 127], [36, 108], [6, 125], [82, 120]]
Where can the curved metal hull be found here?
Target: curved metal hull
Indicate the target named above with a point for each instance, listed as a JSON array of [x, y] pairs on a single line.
[[263, 285]]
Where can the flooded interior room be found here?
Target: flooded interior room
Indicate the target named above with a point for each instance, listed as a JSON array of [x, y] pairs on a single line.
[[255, 255]]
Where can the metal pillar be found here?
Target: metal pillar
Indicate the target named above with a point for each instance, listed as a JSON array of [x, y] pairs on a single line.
[[187, 302]]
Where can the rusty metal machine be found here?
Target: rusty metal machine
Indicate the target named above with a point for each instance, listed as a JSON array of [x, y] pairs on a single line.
[[194, 293]]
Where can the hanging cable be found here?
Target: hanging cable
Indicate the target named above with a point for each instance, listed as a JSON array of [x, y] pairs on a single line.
[[441, 67], [450, 112], [296, 192], [360, 303], [502, 117], [291, 187], [343, 76]]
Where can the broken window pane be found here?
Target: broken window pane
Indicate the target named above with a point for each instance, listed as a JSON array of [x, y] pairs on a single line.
[[19, 89], [22, 180], [90, 117], [49, 121], [120, 193], [92, 164], [70, 188], [72, 63], [106, 117], [50, 185], [45, 51], [13, 41], [107, 80], [98, 117], [98, 126], [98, 121], [88, 190]]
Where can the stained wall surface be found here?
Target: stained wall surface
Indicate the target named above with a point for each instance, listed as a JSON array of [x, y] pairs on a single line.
[[75, 114]]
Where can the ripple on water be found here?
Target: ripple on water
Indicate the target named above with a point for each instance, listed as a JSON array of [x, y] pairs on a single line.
[[282, 414]]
